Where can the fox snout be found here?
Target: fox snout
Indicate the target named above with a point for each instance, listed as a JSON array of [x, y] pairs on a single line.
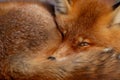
[[65, 50], [62, 51]]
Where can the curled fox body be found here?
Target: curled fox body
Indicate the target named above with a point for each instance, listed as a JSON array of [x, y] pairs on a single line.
[[27, 29], [85, 47]]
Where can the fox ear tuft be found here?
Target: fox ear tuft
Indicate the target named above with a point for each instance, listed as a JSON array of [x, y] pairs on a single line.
[[116, 16], [61, 6]]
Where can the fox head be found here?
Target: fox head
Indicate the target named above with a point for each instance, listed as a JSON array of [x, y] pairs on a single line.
[[87, 26]]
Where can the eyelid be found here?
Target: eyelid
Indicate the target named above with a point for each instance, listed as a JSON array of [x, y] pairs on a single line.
[[87, 40], [84, 44]]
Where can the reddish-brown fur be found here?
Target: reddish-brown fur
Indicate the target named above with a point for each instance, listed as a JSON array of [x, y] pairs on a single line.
[[27, 29], [87, 21], [91, 20]]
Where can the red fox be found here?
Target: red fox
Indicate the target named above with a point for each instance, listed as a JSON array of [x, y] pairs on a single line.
[[87, 24], [85, 46]]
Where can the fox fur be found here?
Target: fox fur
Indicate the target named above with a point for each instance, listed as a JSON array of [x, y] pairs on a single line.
[[85, 46]]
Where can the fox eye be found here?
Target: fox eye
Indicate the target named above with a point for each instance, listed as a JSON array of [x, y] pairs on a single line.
[[82, 44]]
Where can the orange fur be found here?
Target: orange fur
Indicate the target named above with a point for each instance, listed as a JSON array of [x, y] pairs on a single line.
[[88, 50], [89, 20]]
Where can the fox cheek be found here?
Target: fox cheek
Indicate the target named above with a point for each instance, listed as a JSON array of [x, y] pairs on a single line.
[[108, 50]]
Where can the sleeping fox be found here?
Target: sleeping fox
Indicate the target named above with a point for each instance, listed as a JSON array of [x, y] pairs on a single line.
[[85, 46], [87, 24]]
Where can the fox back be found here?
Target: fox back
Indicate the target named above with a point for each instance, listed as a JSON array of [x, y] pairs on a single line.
[[27, 29]]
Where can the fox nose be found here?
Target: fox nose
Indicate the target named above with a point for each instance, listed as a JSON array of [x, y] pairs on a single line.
[[51, 58]]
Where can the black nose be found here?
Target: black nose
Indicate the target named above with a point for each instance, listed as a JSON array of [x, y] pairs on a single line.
[[51, 58]]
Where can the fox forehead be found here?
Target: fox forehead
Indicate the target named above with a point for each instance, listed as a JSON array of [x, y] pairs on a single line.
[[89, 18], [85, 14]]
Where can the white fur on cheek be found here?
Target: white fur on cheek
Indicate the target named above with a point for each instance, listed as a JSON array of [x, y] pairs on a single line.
[[107, 49]]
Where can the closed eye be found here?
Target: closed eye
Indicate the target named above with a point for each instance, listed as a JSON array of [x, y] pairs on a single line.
[[83, 44]]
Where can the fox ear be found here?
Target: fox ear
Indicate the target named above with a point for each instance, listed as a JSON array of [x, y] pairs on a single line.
[[61, 6], [109, 2], [116, 16]]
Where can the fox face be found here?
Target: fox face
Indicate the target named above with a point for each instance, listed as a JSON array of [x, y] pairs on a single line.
[[89, 28], [87, 25]]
